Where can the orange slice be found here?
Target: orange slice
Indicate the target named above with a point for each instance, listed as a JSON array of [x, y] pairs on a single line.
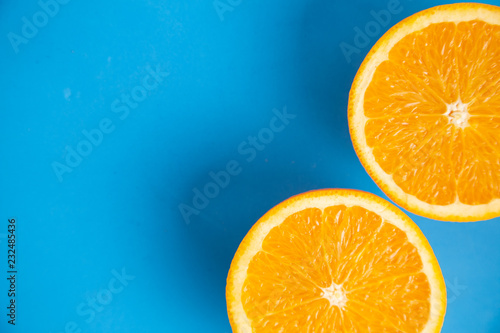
[[424, 112], [335, 261]]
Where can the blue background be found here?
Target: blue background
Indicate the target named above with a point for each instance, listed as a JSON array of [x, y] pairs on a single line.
[[119, 207]]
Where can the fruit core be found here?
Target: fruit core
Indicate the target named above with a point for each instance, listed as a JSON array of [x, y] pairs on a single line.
[[335, 294], [457, 113]]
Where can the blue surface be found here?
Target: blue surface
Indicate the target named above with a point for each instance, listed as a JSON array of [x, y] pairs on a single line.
[[219, 79]]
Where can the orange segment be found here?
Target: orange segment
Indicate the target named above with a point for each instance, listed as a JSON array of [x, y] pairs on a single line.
[[335, 261], [402, 301], [424, 112]]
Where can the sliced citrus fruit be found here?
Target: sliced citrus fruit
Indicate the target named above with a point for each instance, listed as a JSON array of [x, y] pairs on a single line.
[[335, 261], [424, 112]]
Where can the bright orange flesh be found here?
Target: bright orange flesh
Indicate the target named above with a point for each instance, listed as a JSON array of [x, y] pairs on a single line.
[[431, 113], [339, 268], [311, 250]]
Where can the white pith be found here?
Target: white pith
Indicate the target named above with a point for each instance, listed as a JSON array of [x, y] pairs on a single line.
[[458, 114], [335, 295]]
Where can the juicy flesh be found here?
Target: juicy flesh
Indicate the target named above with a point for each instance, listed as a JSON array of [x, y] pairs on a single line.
[[342, 269], [433, 113]]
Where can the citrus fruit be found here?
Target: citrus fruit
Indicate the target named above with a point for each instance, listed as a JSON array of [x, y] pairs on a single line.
[[335, 261], [424, 112]]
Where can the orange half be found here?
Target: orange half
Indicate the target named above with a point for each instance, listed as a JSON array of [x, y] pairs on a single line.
[[335, 261], [424, 112]]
